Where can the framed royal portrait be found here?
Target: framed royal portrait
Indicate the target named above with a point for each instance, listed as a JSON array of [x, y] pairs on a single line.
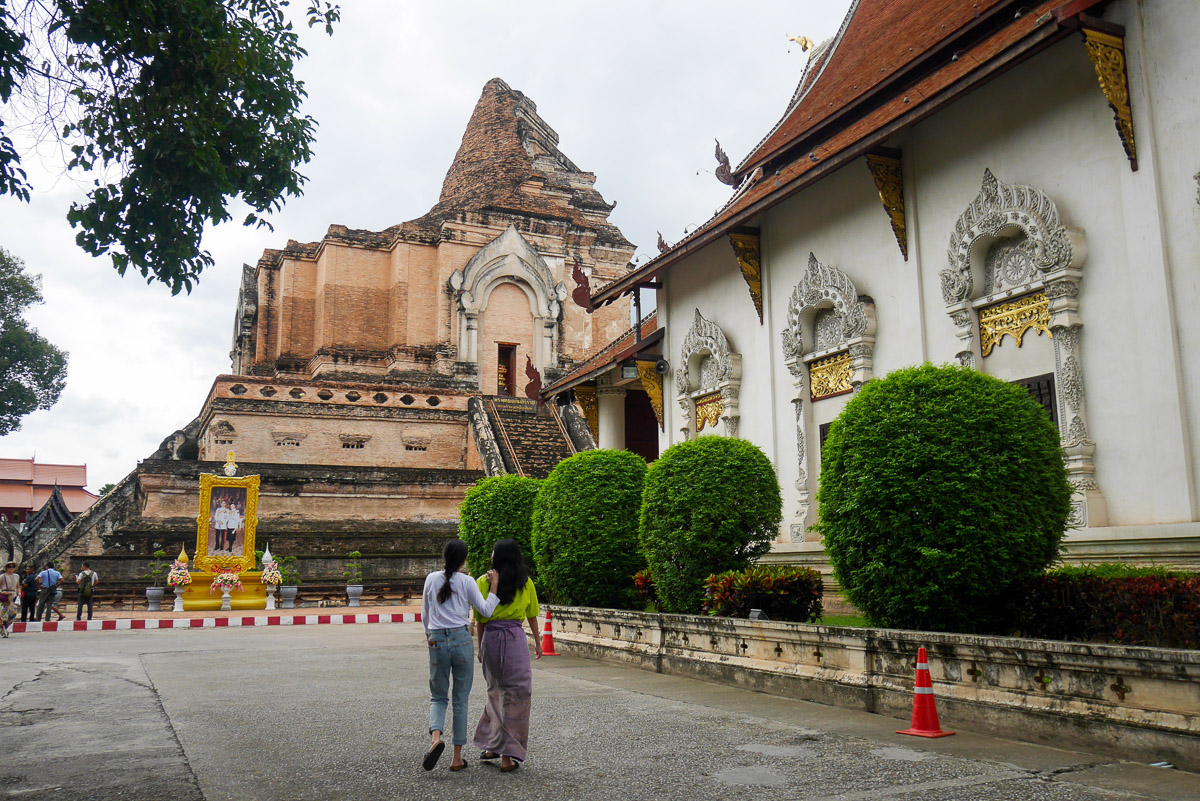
[[225, 525]]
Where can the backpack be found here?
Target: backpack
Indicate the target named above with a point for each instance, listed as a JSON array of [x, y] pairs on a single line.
[[85, 585]]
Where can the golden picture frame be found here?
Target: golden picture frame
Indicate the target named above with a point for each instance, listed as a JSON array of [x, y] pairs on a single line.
[[226, 522]]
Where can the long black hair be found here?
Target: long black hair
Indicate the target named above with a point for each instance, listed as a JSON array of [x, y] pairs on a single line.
[[510, 564], [454, 553]]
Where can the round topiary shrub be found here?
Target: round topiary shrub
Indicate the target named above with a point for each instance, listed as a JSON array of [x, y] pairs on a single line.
[[585, 529], [941, 489], [710, 505], [497, 508]]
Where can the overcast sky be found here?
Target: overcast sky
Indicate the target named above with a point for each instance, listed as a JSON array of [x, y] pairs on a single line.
[[636, 89]]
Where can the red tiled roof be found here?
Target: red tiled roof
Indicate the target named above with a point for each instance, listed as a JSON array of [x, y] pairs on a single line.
[[1035, 27], [606, 355], [878, 40]]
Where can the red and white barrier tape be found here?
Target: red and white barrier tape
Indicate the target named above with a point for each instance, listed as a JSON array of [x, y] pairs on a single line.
[[134, 624]]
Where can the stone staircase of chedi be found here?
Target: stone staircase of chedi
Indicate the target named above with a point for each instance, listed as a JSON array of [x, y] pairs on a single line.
[[520, 437]]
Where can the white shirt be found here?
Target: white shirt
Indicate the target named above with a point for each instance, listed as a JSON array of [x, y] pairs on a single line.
[[233, 519], [453, 614], [220, 517], [95, 576]]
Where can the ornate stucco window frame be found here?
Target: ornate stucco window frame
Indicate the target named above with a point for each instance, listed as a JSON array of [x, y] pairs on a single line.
[[823, 287], [1058, 253], [508, 258], [705, 340]]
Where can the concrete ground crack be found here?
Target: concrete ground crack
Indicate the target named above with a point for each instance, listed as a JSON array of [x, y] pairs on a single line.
[[21, 684], [162, 710], [88, 672], [1054, 773]]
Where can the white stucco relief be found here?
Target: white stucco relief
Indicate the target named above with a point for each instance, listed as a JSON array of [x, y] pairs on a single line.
[[708, 366], [1008, 243], [826, 316], [508, 258]]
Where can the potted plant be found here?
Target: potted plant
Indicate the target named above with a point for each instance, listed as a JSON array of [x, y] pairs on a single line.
[[154, 592], [225, 583], [289, 581], [353, 576], [271, 577], [179, 577]]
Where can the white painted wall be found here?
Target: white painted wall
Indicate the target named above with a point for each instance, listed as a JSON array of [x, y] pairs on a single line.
[[1045, 124]]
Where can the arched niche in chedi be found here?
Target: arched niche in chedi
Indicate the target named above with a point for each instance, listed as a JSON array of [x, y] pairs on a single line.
[[508, 258], [1014, 273], [708, 381], [829, 348]]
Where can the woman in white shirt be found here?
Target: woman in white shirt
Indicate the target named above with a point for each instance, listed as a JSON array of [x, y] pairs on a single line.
[[446, 602]]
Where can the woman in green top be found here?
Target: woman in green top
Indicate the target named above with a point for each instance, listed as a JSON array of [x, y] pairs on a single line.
[[503, 731]]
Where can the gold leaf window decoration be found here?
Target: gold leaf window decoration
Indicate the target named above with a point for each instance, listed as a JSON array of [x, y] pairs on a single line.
[[708, 410], [1015, 318], [830, 376]]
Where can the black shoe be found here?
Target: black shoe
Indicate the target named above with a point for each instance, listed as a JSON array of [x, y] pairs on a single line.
[[433, 755], [486, 755]]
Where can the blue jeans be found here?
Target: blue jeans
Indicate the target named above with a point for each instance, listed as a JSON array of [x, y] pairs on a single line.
[[452, 653]]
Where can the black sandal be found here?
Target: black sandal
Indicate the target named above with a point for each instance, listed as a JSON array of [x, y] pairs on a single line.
[[465, 764], [486, 755], [433, 755]]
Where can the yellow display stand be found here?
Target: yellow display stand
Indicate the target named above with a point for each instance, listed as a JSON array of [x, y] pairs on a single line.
[[196, 597]]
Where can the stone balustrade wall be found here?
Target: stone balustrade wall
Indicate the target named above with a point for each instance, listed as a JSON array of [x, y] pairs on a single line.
[[1140, 704]]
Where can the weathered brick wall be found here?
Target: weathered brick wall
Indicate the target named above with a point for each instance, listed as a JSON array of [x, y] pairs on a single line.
[[507, 319]]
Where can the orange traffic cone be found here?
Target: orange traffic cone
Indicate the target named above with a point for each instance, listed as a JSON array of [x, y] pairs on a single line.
[[548, 639], [924, 717]]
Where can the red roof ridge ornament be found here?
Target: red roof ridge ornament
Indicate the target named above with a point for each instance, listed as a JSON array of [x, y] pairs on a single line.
[[724, 171], [663, 247]]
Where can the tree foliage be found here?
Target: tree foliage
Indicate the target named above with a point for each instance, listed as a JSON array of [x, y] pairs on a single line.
[[32, 371], [710, 505], [585, 529], [941, 489], [174, 108], [497, 508]]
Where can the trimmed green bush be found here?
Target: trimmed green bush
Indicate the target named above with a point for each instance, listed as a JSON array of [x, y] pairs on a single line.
[[782, 592], [585, 529], [711, 504], [497, 508], [941, 490]]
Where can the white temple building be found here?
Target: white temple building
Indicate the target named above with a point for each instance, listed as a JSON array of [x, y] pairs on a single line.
[[1006, 185]]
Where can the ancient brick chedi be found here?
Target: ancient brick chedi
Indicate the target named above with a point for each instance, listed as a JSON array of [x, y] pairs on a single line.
[[354, 357]]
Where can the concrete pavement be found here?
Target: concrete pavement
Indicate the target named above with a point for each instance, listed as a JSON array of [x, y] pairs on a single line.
[[339, 712]]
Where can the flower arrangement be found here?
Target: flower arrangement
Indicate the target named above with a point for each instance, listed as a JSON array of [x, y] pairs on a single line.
[[271, 574], [225, 582], [179, 575]]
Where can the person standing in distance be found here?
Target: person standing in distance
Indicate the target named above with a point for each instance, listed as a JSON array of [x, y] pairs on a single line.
[[48, 581], [87, 588]]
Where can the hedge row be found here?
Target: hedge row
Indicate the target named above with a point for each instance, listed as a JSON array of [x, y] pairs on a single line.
[[1111, 604]]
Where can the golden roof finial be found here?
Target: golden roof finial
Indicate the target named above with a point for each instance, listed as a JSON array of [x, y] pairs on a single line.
[[183, 557], [804, 42]]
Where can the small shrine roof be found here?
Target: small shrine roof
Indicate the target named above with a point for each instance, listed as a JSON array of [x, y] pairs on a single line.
[[618, 350]]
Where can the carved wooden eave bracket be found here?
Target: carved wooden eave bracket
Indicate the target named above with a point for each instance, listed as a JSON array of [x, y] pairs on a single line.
[[1106, 49], [748, 252], [652, 382], [889, 180]]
